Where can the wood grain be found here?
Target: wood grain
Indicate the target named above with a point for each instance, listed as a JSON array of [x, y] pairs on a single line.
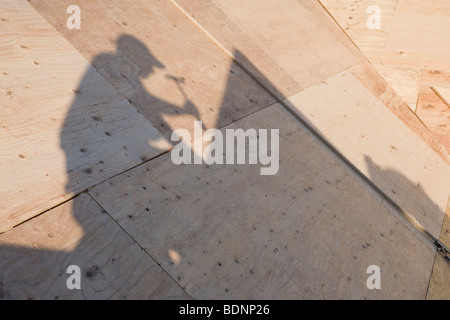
[[299, 36], [34, 258], [419, 35], [242, 46], [381, 89], [63, 128], [435, 114], [142, 46], [352, 16], [410, 49], [310, 231]]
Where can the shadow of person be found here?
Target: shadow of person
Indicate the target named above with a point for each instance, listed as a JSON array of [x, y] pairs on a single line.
[[34, 257], [127, 67], [418, 204]]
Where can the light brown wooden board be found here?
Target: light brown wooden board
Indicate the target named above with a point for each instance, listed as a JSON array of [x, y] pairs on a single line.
[[410, 49], [310, 231], [435, 78], [439, 288], [138, 45], [63, 128], [379, 145], [243, 47], [353, 17], [405, 81], [419, 35], [257, 37], [34, 258], [435, 114], [444, 94], [418, 41], [382, 90], [299, 36]]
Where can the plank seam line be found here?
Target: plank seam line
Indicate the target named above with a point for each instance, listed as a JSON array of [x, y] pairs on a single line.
[[340, 27], [84, 190], [442, 149], [315, 132], [42, 212], [447, 103], [142, 248], [129, 169]]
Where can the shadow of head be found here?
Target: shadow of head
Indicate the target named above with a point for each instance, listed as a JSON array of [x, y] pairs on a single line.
[[136, 54]]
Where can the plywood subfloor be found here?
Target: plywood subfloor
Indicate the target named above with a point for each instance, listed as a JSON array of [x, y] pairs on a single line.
[[63, 127], [219, 231], [158, 60], [354, 17], [283, 42], [379, 145], [433, 110], [34, 258], [410, 48], [418, 35], [226, 232], [298, 40]]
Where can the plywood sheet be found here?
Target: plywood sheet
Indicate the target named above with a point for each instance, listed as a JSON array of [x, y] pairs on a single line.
[[63, 128], [358, 18], [158, 60], [405, 81], [34, 258], [382, 90], [353, 17], [299, 36], [444, 94], [419, 35], [261, 33], [374, 140], [310, 231], [435, 78], [435, 114], [217, 25], [414, 58]]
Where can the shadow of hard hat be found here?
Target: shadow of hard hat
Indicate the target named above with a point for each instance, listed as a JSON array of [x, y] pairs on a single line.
[[138, 53]]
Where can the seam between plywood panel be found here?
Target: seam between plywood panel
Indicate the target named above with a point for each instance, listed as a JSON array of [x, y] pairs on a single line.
[[54, 199], [340, 27], [366, 76], [228, 52], [42, 211], [447, 103], [250, 37], [142, 248], [317, 134]]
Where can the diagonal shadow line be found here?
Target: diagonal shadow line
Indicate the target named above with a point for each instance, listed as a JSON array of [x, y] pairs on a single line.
[[240, 60]]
